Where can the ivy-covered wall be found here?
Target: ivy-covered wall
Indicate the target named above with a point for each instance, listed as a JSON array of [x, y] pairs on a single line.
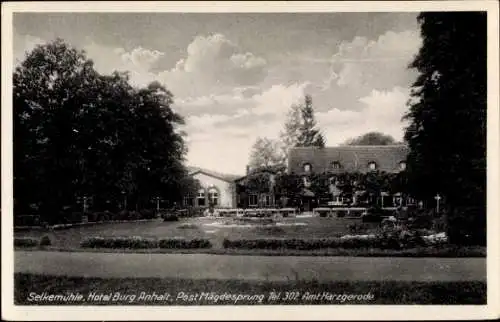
[[367, 187]]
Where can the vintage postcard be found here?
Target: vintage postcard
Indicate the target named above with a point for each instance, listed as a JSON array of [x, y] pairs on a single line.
[[250, 160]]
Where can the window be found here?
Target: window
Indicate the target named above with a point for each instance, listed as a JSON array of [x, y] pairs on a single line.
[[252, 200], [307, 167], [188, 201], [402, 165], [266, 200], [201, 197], [372, 166], [213, 196], [336, 165]]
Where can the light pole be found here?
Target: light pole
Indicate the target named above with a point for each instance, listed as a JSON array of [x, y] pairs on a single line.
[[438, 198], [157, 204], [124, 200], [85, 206]]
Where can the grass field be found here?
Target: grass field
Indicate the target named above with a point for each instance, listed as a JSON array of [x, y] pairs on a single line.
[[215, 229], [189, 292]]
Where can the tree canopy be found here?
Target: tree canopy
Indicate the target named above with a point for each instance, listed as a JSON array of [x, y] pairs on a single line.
[[372, 138], [265, 153], [309, 135], [447, 131], [300, 128], [79, 133]]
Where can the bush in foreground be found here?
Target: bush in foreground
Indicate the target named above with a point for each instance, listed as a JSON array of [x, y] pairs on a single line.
[[45, 241], [26, 242], [181, 243], [119, 242], [170, 217], [386, 240], [137, 242]]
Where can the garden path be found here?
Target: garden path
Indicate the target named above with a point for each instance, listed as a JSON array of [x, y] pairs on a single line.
[[272, 268]]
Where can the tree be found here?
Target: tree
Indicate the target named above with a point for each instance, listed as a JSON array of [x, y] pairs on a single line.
[[371, 138], [289, 137], [79, 133], [265, 153], [309, 135], [447, 131], [300, 128]]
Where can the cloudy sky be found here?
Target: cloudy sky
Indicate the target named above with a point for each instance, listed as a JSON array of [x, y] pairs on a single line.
[[234, 76]]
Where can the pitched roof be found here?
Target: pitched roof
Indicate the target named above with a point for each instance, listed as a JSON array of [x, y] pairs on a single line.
[[353, 158], [222, 176]]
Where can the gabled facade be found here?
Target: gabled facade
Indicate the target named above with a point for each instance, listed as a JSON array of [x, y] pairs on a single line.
[[216, 189], [306, 161]]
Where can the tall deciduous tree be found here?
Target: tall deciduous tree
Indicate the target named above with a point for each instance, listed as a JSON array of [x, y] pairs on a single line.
[[265, 153], [372, 138], [447, 131], [78, 133]]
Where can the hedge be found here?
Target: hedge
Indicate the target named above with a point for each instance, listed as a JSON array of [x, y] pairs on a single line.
[[298, 244], [385, 241], [181, 243], [143, 243], [26, 242], [170, 217], [134, 242]]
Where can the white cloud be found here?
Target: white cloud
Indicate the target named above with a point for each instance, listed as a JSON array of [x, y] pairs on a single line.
[[24, 44], [137, 62], [213, 65], [229, 99], [383, 112], [380, 63], [278, 99], [216, 140], [140, 57]]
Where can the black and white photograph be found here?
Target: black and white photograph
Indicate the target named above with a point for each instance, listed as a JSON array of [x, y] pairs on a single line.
[[241, 157]]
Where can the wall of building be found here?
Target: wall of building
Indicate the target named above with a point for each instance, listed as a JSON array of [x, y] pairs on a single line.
[[226, 189]]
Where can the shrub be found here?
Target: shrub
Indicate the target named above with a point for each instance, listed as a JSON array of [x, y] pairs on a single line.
[[467, 226], [439, 224], [26, 242], [134, 215], [341, 213], [181, 243], [45, 241], [297, 244], [134, 242], [399, 238], [170, 217], [385, 240], [270, 229], [26, 220], [188, 226], [148, 214], [371, 218]]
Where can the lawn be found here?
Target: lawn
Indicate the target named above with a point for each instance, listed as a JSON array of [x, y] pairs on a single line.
[[127, 291], [215, 229]]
